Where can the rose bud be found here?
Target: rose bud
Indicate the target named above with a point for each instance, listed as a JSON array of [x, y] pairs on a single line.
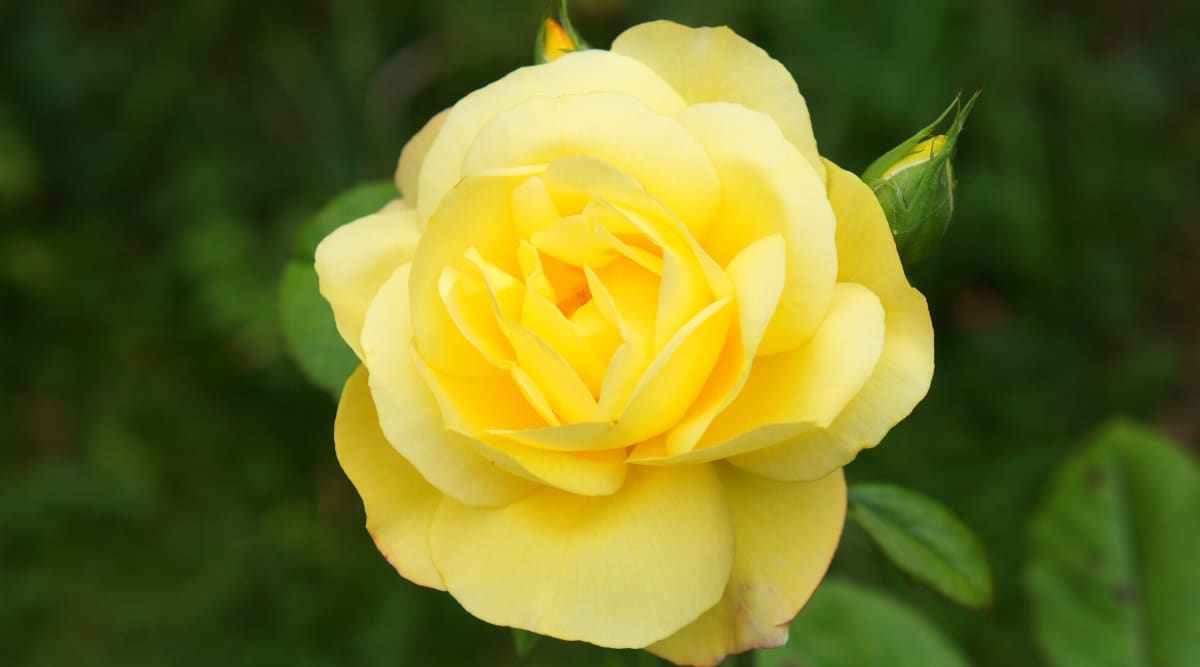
[[556, 37], [914, 183]]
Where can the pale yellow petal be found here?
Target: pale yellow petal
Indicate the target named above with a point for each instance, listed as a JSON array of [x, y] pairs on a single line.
[[469, 305], [792, 392], [812, 384], [905, 369], [578, 72], [678, 373], [770, 189], [541, 362], [662, 394], [471, 405], [866, 250], [785, 535], [533, 208], [409, 415], [757, 274], [488, 410], [717, 65], [620, 571], [399, 502], [548, 323], [408, 170], [584, 473], [615, 128], [565, 390], [356, 258], [476, 215]]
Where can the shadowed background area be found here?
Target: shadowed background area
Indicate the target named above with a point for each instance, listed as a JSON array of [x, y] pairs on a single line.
[[168, 489]]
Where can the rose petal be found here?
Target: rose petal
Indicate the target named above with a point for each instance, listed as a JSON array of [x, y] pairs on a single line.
[[757, 276], [867, 255], [677, 374], [619, 571], [770, 189], [482, 408], [578, 72], [399, 502], [408, 413], [615, 128], [408, 169], [792, 393], [543, 317], [717, 65], [476, 215], [356, 258], [785, 536]]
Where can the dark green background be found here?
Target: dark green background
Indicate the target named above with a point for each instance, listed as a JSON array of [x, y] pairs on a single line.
[[168, 490]]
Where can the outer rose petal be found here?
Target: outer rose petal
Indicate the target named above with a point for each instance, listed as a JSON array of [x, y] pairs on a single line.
[[476, 214], [408, 170], [621, 571], [811, 384], [718, 65], [409, 416], [867, 255], [356, 258], [399, 502], [619, 129], [770, 189], [785, 535], [578, 72]]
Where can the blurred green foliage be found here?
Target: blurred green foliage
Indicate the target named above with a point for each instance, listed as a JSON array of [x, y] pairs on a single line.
[[168, 490]]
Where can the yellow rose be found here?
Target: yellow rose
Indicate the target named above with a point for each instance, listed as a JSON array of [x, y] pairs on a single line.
[[617, 342]]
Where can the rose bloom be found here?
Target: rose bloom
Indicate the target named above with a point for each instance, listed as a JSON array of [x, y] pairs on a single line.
[[618, 340]]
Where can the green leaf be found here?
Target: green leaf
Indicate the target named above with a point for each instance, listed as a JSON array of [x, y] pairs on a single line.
[[1113, 578], [524, 641], [849, 625], [308, 329], [307, 321], [348, 206], [925, 541]]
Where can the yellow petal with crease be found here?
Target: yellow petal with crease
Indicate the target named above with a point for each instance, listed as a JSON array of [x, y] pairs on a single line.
[[757, 277], [408, 169], [580, 473], [905, 369], [566, 392], [478, 215], [409, 415], [614, 128], [636, 211], [533, 208], [677, 374], [578, 72], [399, 502], [812, 384], [356, 258], [785, 536], [487, 409], [661, 395], [866, 250], [718, 65], [620, 571], [770, 189], [469, 305], [548, 323]]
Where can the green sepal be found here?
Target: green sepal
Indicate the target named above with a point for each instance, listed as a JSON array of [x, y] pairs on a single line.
[[919, 201]]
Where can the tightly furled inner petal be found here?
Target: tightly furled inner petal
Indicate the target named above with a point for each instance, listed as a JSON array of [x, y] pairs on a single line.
[[611, 314], [570, 286]]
